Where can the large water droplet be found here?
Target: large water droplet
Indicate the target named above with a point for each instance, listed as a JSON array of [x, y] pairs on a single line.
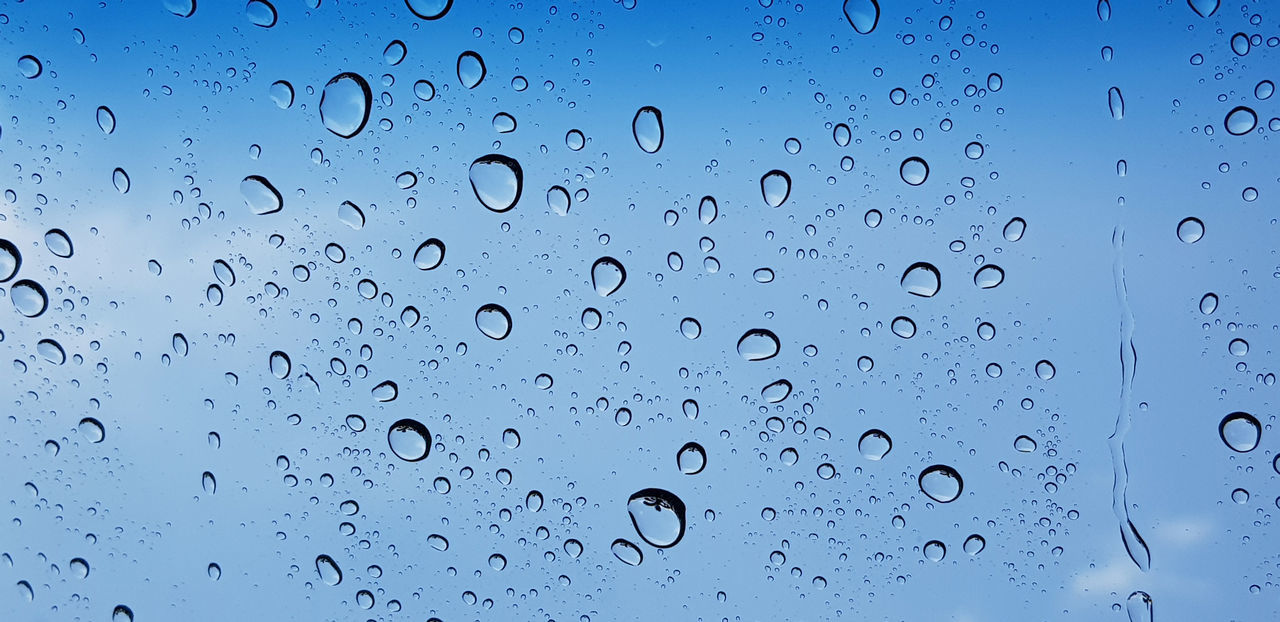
[[344, 104], [691, 458], [626, 552], [106, 120], [658, 516], [776, 391], [386, 391], [497, 181], [914, 171], [493, 321], [29, 298], [1045, 370], [261, 13], [121, 613], [261, 197], [607, 275], [776, 187], [430, 254], [51, 351], [394, 53], [690, 328], [1241, 120], [1190, 230], [1240, 44], [181, 8], [58, 243], [921, 279], [1024, 444], [1115, 102], [558, 200], [863, 15], [1014, 230], [10, 260], [281, 92], [902, 326], [874, 444], [941, 483], [1139, 607], [758, 344], [988, 276], [280, 364], [409, 440], [120, 180], [328, 570], [1204, 8], [424, 90], [1209, 303], [647, 129], [1240, 431], [29, 66], [471, 69], [934, 551], [91, 429], [974, 544], [429, 9], [79, 567], [708, 210]]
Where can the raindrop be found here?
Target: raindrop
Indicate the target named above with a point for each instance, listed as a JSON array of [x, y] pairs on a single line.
[[863, 15], [497, 181], [504, 123], [351, 215], [973, 150], [574, 140], [591, 318], [1240, 44], [511, 438], [776, 391], [874, 444], [1238, 347], [261, 13], [1045, 370], [941, 483], [988, 276], [691, 459], [1264, 90], [58, 243], [29, 67], [121, 614], [1240, 496], [647, 129], [409, 440], [92, 430], [1240, 431], [120, 180], [344, 104], [1014, 230], [406, 180], [1190, 230], [690, 328], [394, 52], [543, 381], [10, 260], [181, 8], [776, 187], [328, 570], [430, 254], [841, 135], [106, 120], [280, 365], [356, 423], [934, 551], [51, 351], [1209, 303], [708, 210], [921, 279], [627, 552], [607, 275], [209, 483], [1204, 8], [281, 92], [903, 327], [1241, 120], [1024, 444], [386, 391], [429, 9], [29, 298], [758, 344], [914, 171], [471, 69], [493, 321], [1115, 101], [658, 516], [558, 200], [80, 567], [974, 544], [763, 275], [261, 197], [1139, 607], [424, 90]]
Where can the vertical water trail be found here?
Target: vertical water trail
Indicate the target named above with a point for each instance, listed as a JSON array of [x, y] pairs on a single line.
[[1133, 542]]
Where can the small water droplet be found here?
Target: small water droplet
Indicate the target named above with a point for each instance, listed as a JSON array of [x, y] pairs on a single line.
[[281, 92], [1240, 44], [386, 391], [1240, 496], [626, 552], [1209, 303], [647, 129], [690, 328], [409, 440], [209, 483], [1014, 230], [120, 180], [394, 53], [328, 570], [504, 123], [941, 483], [345, 103], [424, 90], [1115, 102], [497, 181], [1238, 347]]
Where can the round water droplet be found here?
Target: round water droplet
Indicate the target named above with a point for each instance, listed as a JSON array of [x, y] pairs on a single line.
[[120, 180], [410, 316], [921, 279], [874, 444], [543, 381], [1240, 44], [988, 276], [51, 351], [1240, 496], [106, 120], [79, 567], [658, 516], [607, 275], [914, 171], [58, 243], [394, 53], [10, 260], [1241, 120], [591, 318], [261, 197], [974, 544], [281, 92], [1024, 444], [261, 13], [1209, 303], [1264, 90], [647, 129], [841, 135], [424, 90], [29, 67], [386, 391], [356, 423], [690, 328], [934, 551], [903, 327], [91, 429], [1190, 230], [328, 570], [280, 364], [510, 438], [121, 614], [345, 103], [429, 9], [471, 69], [29, 298], [497, 562], [504, 123], [973, 150], [430, 254], [1240, 431], [409, 440], [941, 483], [575, 140], [776, 187], [691, 459], [493, 321], [863, 15], [181, 8], [1014, 230], [758, 344], [776, 391], [497, 181], [1045, 370], [1115, 102], [626, 552]]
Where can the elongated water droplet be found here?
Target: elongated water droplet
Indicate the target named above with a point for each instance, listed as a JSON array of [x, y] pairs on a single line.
[[106, 120], [280, 364], [493, 321], [497, 181], [1024, 444], [1190, 230], [345, 103], [941, 483], [1241, 120], [921, 279], [863, 15], [690, 328], [261, 197], [58, 243], [626, 552], [409, 440], [658, 516], [776, 187], [120, 180], [691, 459], [430, 254], [708, 210], [386, 391], [607, 275], [424, 90], [1140, 607], [471, 69], [261, 13], [51, 351], [1115, 102], [776, 391], [1240, 431], [328, 570], [647, 129], [209, 483], [351, 215], [558, 200], [1014, 230], [874, 444], [841, 135], [1240, 44], [758, 344], [394, 52], [29, 298], [1209, 303], [988, 276], [10, 260], [429, 9]]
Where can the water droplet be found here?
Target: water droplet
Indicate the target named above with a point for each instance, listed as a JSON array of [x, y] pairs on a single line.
[[874, 444], [973, 150], [1209, 303], [988, 276], [1241, 120], [121, 614], [209, 483], [1139, 607], [903, 327], [1240, 431], [690, 328], [10, 260], [574, 140], [51, 351], [58, 243], [120, 180], [356, 423], [1238, 347], [1240, 496], [658, 516], [1045, 370], [424, 90], [708, 210], [261, 13], [863, 15], [776, 187], [776, 391], [409, 440], [429, 9], [647, 129], [92, 430], [345, 103], [504, 123], [181, 8], [627, 552], [1024, 444], [841, 135], [79, 567], [691, 459], [934, 551], [1190, 230], [351, 215], [758, 344], [106, 120], [471, 69], [281, 92], [29, 67], [1115, 101], [261, 197], [974, 544], [607, 275], [493, 321], [921, 279], [1204, 8], [430, 254], [328, 570], [1264, 90], [28, 298], [914, 171], [558, 200], [591, 318], [394, 53], [280, 364], [690, 408], [497, 181], [386, 391], [1240, 44], [941, 483], [763, 275], [1014, 230]]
